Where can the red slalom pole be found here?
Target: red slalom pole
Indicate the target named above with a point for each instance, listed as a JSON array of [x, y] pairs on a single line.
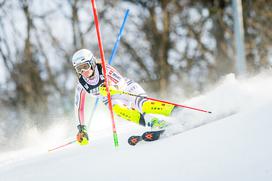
[[115, 138]]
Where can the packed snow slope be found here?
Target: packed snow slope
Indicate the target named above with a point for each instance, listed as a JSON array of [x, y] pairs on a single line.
[[234, 144]]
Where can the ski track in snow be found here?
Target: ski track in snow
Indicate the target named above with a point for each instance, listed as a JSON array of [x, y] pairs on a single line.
[[232, 143]]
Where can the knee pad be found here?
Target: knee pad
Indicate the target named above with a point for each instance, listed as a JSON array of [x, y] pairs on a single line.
[[154, 107], [129, 114]]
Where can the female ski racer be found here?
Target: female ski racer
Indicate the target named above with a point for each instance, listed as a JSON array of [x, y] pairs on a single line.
[[132, 108]]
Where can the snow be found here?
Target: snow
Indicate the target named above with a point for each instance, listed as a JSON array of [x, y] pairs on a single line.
[[234, 145]]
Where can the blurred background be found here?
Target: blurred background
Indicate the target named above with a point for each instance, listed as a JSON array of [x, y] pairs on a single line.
[[175, 49]]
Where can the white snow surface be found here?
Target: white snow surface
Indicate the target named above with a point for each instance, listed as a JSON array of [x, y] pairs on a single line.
[[234, 144]]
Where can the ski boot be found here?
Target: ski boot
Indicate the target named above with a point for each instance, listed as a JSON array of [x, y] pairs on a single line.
[[82, 135], [157, 123]]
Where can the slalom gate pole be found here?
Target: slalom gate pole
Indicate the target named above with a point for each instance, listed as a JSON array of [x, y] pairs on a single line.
[[113, 52], [119, 37], [61, 146], [96, 21]]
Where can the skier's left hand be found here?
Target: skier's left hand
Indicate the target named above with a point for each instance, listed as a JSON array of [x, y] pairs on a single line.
[[82, 135], [82, 138]]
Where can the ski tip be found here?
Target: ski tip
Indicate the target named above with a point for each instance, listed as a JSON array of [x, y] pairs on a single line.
[[152, 135], [210, 112], [133, 140]]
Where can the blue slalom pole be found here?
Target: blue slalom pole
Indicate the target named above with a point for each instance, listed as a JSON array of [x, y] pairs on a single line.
[[119, 37], [113, 52]]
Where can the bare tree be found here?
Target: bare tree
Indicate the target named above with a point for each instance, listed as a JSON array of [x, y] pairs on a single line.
[[159, 41], [258, 37]]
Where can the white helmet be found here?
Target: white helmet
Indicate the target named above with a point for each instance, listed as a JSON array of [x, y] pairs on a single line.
[[83, 57]]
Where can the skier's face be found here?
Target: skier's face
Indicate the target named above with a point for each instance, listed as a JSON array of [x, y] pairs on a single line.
[[85, 69], [87, 73]]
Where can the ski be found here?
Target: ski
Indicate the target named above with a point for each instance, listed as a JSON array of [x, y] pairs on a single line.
[[172, 130], [147, 136]]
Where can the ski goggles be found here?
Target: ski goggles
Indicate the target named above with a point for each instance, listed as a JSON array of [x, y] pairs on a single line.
[[83, 67]]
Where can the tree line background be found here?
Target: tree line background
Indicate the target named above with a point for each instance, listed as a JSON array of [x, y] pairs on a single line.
[[171, 47]]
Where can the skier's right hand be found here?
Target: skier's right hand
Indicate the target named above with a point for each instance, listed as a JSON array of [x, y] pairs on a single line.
[[82, 135]]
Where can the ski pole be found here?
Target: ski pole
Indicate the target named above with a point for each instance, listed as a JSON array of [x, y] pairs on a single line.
[[178, 105], [96, 21], [113, 52], [93, 111], [61, 146], [166, 102], [114, 91]]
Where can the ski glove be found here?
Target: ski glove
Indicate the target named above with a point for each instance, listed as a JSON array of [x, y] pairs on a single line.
[[82, 135]]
